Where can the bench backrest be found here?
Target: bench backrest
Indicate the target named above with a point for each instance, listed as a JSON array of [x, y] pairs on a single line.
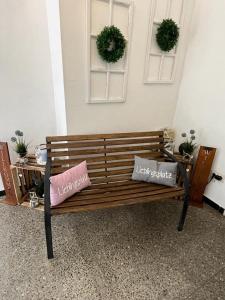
[[110, 157]]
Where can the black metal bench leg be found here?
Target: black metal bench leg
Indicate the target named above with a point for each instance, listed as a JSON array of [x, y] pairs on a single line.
[[183, 214], [48, 233]]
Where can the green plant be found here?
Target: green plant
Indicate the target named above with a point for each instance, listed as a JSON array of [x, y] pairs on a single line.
[[20, 145], [111, 44], [188, 146], [167, 35]]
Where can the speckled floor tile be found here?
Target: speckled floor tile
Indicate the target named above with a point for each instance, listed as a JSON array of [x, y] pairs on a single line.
[[213, 289], [130, 253]]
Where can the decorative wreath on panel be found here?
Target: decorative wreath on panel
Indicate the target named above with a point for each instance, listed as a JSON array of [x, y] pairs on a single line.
[[111, 44], [167, 35]]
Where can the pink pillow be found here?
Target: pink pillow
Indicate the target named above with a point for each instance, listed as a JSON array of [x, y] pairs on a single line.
[[68, 183]]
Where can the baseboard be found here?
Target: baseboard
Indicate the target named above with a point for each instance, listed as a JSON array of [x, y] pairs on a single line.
[[213, 205], [2, 193]]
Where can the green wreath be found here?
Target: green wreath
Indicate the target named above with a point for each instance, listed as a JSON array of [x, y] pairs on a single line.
[[167, 35], [111, 44]]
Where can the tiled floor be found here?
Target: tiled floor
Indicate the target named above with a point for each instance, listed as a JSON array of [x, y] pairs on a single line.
[[125, 253]]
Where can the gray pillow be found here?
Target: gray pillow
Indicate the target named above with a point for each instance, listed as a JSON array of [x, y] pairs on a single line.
[[164, 173]]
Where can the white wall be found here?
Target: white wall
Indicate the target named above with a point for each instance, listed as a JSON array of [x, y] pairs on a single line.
[[201, 103], [148, 107], [26, 92], [53, 17]]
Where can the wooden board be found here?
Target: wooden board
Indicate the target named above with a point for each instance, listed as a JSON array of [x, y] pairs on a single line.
[[16, 184], [6, 175], [201, 174]]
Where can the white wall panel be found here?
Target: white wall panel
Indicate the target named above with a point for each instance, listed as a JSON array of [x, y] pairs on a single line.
[[101, 13], [165, 72]]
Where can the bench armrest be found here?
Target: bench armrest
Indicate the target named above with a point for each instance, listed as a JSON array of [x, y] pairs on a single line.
[[47, 187], [182, 170]]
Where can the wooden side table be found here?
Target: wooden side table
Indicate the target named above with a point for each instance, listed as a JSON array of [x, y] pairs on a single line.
[[22, 178]]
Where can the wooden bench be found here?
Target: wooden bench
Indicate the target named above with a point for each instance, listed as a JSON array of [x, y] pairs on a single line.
[[110, 160]]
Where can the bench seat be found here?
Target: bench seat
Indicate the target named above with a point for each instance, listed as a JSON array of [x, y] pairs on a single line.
[[116, 194]]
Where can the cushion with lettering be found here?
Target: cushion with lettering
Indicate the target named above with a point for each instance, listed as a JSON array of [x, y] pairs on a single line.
[[68, 183], [153, 171]]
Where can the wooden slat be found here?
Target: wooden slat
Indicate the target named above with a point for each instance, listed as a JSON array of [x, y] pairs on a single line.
[[95, 144], [30, 178], [113, 186], [26, 177], [128, 184], [98, 166], [99, 173], [59, 162], [22, 181], [111, 165], [130, 201], [16, 184], [31, 167], [98, 194], [106, 150], [110, 173], [110, 179], [103, 136]]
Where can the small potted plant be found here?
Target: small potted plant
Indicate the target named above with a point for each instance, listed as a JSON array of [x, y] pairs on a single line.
[[188, 147], [20, 145]]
